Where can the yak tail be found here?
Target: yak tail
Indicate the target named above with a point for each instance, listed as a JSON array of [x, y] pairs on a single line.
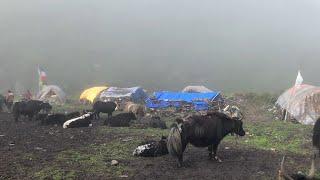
[[174, 143], [312, 169]]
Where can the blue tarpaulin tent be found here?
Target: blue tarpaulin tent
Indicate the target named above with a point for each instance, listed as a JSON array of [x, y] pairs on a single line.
[[164, 99]]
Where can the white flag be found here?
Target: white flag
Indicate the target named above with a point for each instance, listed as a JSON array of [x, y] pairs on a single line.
[[299, 79]]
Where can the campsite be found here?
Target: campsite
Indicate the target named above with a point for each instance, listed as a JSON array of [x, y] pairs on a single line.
[[169, 90], [31, 151]]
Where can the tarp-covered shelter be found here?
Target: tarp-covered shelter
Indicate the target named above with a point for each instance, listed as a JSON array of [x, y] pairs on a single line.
[[52, 94], [164, 99], [135, 94], [92, 93], [196, 89], [302, 102]]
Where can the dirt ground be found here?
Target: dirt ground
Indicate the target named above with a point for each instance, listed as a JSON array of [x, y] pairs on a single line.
[[26, 147]]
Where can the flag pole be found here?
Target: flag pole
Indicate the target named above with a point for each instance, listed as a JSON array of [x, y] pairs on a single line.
[[299, 81]]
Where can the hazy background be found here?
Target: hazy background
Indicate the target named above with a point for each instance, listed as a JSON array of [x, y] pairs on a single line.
[[237, 45]]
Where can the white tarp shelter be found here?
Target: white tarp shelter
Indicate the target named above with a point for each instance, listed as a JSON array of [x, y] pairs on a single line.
[[52, 94], [302, 102]]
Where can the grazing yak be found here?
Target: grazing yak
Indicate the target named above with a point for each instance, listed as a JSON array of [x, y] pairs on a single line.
[[104, 107], [316, 144], [59, 118], [153, 122], [152, 148], [29, 108], [202, 131], [120, 120], [82, 121], [138, 109]]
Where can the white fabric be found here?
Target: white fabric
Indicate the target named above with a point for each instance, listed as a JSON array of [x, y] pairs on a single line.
[[299, 79], [59, 97], [302, 102], [196, 89]]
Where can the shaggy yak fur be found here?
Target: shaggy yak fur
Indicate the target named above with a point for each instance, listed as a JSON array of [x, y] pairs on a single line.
[[202, 131], [120, 120]]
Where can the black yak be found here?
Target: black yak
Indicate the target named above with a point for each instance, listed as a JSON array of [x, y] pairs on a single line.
[[152, 148], [29, 108], [120, 120], [202, 131], [41, 116], [59, 118], [152, 121], [104, 107], [54, 119]]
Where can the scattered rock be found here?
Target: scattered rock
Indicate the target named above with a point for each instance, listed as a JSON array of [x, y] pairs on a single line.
[[123, 176], [2, 135], [227, 148], [114, 163], [273, 149], [40, 149]]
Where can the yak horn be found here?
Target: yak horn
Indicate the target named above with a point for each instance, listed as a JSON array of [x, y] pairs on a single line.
[[312, 169]]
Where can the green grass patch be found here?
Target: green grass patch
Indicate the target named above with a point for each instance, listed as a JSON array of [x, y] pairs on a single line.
[[278, 135], [55, 173]]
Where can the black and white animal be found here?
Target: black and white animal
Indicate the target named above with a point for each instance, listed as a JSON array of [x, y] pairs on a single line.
[[29, 108], [59, 118], [152, 148], [202, 131], [104, 107], [120, 120], [82, 121], [153, 122]]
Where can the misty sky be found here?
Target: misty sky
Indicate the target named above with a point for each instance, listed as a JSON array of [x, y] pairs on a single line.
[[230, 45]]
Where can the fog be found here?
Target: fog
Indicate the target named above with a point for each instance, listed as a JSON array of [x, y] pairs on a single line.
[[228, 45]]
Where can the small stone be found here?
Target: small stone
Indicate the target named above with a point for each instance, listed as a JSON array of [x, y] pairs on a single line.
[[123, 176], [114, 163], [227, 148]]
